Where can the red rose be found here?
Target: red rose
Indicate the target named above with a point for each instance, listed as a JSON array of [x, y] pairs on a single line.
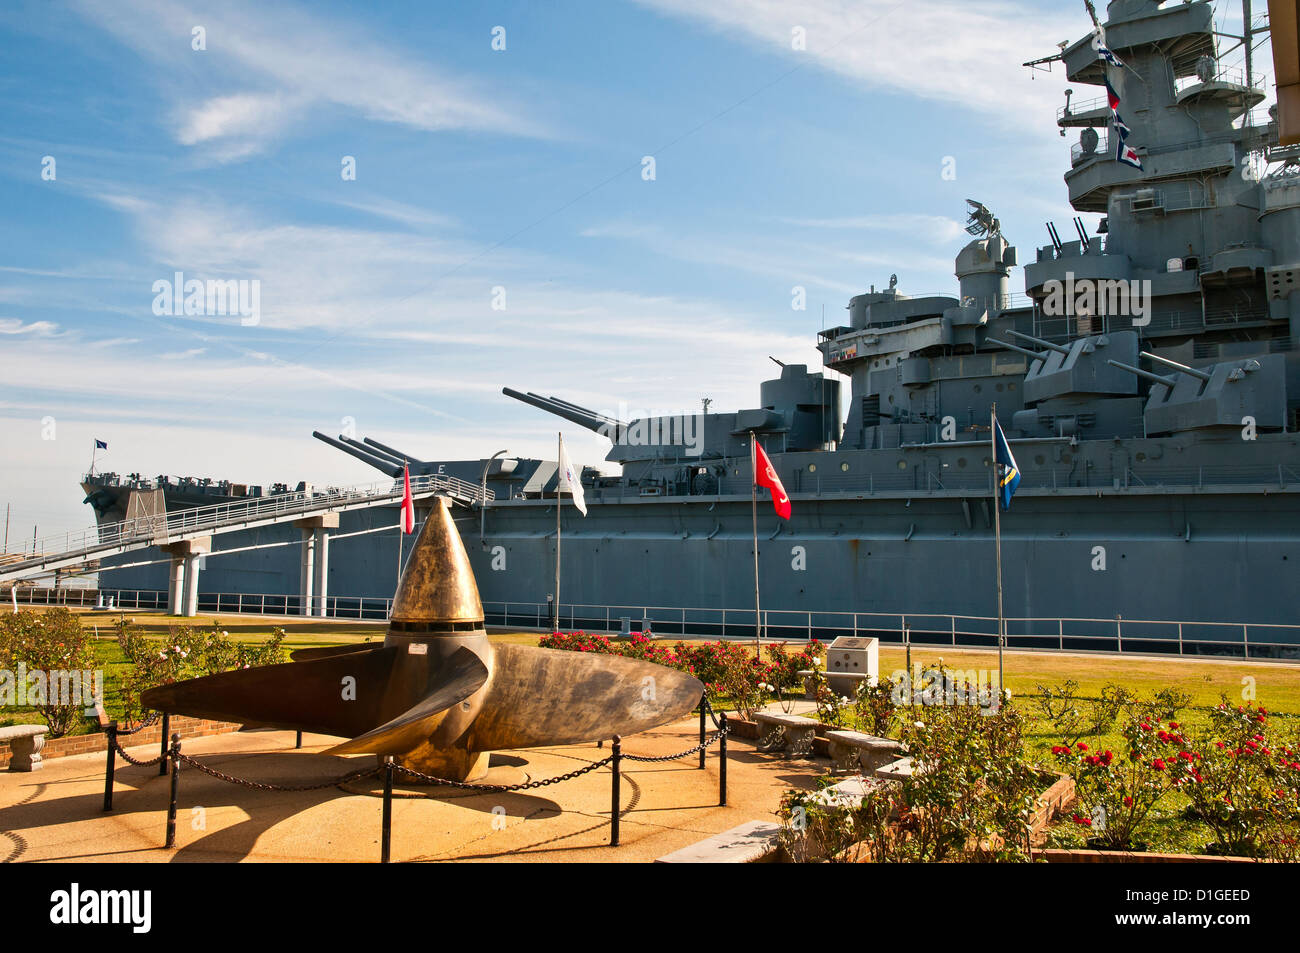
[[1158, 764]]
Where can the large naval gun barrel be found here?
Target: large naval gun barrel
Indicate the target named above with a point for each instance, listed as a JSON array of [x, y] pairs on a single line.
[[599, 423], [1145, 375], [1060, 349], [352, 448], [1181, 368], [1020, 350]]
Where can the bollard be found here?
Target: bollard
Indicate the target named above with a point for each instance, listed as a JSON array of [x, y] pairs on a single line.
[[722, 768], [166, 731], [176, 776], [616, 747], [298, 741], [385, 848], [111, 732], [703, 751]]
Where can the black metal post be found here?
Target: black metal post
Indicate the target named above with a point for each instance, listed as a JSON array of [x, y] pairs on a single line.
[[616, 765], [111, 733], [722, 767], [386, 842], [176, 777], [298, 742], [703, 712], [166, 732]]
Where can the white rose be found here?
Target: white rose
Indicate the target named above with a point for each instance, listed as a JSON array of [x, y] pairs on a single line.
[[919, 724]]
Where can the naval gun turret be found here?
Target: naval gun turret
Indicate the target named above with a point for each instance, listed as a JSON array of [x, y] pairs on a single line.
[[1071, 389], [1226, 394], [800, 411]]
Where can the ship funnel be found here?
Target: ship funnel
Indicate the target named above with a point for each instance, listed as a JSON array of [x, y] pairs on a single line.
[[437, 592]]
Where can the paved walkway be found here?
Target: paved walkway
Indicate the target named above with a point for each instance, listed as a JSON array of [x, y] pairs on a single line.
[[56, 814]]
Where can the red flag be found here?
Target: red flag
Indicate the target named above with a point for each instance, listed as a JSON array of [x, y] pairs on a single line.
[[765, 475], [408, 504]]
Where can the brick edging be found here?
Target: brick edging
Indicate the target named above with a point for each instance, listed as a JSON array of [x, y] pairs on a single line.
[[70, 745]]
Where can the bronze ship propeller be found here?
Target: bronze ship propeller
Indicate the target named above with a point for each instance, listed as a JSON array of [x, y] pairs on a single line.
[[437, 695]]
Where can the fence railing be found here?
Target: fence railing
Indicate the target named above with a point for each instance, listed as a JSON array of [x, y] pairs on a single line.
[[1117, 634]]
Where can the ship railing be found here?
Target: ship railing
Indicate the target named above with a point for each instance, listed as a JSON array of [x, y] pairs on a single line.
[[1236, 77], [159, 529], [1067, 634]]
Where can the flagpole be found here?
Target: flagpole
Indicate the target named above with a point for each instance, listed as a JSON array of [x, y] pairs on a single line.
[[997, 532], [559, 498], [753, 506], [94, 448]]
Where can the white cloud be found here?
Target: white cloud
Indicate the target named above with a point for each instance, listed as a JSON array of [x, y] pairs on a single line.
[[264, 69], [952, 51]]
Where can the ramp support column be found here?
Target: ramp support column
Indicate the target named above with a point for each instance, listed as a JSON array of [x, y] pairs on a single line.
[[175, 585], [183, 583], [314, 575]]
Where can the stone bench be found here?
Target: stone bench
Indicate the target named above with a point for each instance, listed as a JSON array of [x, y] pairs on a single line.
[[751, 842], [809, 681], [851, 750], [896, 771], [792, 734], [25, 745]]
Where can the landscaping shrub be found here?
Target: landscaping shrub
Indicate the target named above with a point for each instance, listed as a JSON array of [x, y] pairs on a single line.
[[51, 645], [185, 653]]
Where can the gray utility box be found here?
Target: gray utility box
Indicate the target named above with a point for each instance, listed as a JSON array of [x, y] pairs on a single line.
[[850, 660]]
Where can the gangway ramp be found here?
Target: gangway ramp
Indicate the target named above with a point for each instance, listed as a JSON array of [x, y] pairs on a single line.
[[111, 539]]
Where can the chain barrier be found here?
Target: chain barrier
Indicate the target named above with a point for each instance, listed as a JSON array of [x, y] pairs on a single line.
[[501, 788], [121, 732], [135, 761], [267, 786], [716, 736]]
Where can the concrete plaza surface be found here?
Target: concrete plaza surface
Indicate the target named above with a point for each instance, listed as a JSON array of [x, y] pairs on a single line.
[[56, 814]]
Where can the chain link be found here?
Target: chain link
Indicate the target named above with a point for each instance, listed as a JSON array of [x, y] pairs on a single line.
[[501, 788], [122, 732], [266, 786], [673, 757], [135, 761]]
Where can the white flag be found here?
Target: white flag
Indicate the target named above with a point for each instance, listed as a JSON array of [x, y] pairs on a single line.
[[569, 480]]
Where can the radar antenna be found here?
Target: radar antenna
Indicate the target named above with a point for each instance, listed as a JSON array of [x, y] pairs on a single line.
[[982, 222]]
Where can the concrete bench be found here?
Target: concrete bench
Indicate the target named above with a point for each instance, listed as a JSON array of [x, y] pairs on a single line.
[[851, 791], [851, 750], [25, 745], [790, 733], [749, 843], [896, 771]]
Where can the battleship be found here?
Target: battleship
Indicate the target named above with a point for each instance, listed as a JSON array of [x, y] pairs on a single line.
[[1147, 378]]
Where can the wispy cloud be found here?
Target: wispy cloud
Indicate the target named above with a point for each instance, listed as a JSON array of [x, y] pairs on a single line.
[[952, 51], [264, 68]]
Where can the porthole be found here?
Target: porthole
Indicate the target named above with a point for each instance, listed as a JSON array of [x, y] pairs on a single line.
[[978, 388], [812, 468], [998, 388], [902, 464], [961, 462], [1040, 459], [1011, 386], [1140, 457], [844, 467], [987, 461]]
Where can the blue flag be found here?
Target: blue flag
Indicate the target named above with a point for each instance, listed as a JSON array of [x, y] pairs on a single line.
[[1008, 474], [101, 445]]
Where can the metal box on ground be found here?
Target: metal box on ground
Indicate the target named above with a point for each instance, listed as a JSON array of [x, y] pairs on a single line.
[[850, 658]]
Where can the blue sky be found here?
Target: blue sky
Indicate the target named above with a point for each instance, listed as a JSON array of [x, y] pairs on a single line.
[[476, 169]]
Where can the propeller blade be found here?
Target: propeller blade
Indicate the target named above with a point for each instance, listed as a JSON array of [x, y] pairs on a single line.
[[330, 651], [302, 696], [551, 697]]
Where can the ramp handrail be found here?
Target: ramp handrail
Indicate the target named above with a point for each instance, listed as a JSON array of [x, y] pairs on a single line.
[[164, 528]]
